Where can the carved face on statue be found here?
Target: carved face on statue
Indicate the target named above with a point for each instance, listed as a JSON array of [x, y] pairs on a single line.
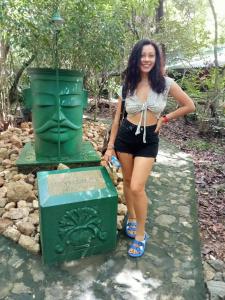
[[57, 118], [57, 112]]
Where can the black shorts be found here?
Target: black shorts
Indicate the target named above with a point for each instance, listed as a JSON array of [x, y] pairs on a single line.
[[127, 142]]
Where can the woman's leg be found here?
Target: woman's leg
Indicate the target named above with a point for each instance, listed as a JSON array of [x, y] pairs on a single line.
[[127, 163], [141, 170]]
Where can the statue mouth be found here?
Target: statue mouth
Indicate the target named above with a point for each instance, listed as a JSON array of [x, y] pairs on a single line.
[[59, 129], [56, 127]]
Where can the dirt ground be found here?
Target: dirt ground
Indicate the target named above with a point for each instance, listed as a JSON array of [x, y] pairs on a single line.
[[209, 161]]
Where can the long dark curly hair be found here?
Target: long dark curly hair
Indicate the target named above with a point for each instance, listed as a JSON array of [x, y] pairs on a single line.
[[132, 75]]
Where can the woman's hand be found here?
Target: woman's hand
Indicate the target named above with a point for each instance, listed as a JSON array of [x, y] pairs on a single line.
[[108, 154], [160, 123]]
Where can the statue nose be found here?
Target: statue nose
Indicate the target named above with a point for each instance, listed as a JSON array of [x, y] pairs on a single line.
[[59, 116]]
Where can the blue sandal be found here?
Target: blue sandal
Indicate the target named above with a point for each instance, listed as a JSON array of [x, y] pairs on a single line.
[[131, 227], [138, 247]]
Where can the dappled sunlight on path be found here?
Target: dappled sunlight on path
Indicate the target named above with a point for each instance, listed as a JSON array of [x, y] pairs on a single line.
[[171, 268]]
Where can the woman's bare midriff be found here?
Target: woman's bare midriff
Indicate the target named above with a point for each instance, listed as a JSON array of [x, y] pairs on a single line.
[[150, 120]]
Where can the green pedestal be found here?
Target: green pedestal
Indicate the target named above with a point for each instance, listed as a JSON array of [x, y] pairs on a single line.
[[27, 160], [78, 211]]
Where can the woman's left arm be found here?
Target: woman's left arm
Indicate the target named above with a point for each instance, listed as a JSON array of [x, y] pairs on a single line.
[[185, 102]]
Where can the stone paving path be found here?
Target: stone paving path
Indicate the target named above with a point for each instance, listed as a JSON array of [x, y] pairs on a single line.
[[171, 268]]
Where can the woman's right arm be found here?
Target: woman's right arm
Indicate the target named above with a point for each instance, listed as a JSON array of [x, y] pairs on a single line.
[[115, 126]]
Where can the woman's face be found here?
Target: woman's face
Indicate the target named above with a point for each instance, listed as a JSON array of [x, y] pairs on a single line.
[[148, 58]]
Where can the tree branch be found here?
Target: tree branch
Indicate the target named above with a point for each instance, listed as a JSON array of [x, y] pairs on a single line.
[[132, 26]]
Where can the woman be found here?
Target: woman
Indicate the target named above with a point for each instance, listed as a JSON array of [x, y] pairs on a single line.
[[135, 143]]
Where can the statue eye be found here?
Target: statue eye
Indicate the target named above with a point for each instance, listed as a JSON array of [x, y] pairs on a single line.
[[44, 99], [70, 100]]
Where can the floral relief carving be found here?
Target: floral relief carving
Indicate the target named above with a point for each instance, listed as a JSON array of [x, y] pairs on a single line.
[[79, 227]]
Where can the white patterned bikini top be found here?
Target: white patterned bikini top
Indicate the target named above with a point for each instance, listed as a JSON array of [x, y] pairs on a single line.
[[155, 103]]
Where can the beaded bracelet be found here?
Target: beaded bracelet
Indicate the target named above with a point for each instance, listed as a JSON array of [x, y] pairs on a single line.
[[165, 119]]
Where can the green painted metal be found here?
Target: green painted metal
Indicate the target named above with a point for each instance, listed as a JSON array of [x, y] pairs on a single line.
[[57, 102], [78, 211], [27, 160], [57, 19]]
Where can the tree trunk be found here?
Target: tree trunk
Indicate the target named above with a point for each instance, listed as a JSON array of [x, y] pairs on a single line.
[[13, 93], [4, 106], [213, 102], [4, 50], [132, 26], [159, 15], [215, 33], [158, 18]]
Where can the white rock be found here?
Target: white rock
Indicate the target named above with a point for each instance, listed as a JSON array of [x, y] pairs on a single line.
[[35, 204], [119, 176], [16, 141], [24, 125], [37, 237], [2, 211], [1, 181], [4, 223], [34, 218], [30, 179], [20, 190], [15, 150], [62, 167], [3, 153], [122, 209], [209, 272], [17, 130], [8, 175], [10, 205], [17, 213], [121, 199], [7, 162], [5, 135], [19, 176], [3, 202], [12, 233], [22, 203], [13, 173], [13, 157], [120, 222], [29, 244], [26, 228]]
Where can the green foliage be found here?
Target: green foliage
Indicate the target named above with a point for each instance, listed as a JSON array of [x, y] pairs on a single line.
[[200, 84], [97, 36], [183, 29], [203, 145]]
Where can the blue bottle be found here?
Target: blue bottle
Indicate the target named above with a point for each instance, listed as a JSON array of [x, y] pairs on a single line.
[[115, 162]]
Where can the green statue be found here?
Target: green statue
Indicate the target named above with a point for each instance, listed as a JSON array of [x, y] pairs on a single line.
[[57, 105]]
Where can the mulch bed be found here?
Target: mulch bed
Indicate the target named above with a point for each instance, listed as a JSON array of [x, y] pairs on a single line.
[[210, 183]]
